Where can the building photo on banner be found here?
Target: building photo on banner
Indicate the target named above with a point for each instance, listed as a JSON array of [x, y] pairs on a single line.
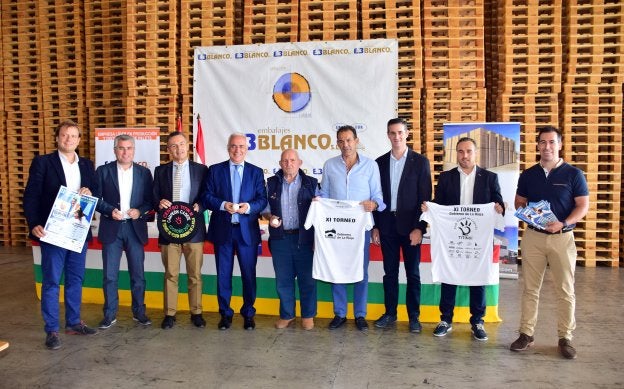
[[291, 95]]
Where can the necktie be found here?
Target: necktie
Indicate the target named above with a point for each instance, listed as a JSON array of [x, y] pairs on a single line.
[[177, 182], [236, 186]]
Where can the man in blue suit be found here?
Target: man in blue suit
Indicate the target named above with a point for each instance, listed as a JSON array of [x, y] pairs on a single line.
[[236, 194], [405, 183], [47, 174], [467, 184], [126, 199], [185, 178]]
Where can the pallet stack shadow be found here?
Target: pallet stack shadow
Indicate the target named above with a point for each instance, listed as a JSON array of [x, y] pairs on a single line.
[[592, 119], [106, 76], [25, 133], [202, 23], [152, 66], [401, 20], [454, 70]]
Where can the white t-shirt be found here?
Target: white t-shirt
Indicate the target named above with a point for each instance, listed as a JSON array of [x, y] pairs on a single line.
[[339, 234], [462, 243]]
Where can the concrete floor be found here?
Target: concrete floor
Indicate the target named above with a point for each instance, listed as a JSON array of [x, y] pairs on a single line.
[[131, 356]]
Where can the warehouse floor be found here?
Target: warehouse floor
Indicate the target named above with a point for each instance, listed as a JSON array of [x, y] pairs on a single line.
[[131, 356]]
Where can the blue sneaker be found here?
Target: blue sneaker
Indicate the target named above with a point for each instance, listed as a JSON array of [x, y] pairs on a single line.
[[442, 329], [478, 332]]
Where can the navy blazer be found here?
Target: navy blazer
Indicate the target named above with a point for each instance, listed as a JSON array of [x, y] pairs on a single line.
[[219, 189], [414, 188], [486, 188], [140, 198], [45, 178], [163, 189], [304, 199]]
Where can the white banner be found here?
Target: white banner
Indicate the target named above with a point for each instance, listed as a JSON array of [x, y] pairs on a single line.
[[146, 145], [295, 95]]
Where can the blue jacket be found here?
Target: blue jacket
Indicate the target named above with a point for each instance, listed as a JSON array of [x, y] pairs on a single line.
[[44, 181], [304, 199]]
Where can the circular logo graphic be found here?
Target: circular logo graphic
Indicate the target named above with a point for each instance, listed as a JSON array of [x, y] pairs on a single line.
[[178, 223], [291, 92]]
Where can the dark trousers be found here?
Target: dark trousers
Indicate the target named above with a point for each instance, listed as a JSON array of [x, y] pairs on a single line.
[[391, 246], [477, 303], [128, 241], [247, 260]]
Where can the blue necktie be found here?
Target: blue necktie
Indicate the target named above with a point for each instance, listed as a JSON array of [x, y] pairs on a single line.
[[236, 186]]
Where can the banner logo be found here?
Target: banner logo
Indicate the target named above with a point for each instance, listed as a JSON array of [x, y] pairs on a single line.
[[291, 92]]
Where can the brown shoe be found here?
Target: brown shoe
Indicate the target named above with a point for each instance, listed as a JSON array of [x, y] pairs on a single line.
[[284, 323], [565, 349], [3, 345], [307, 323], [522, 343]]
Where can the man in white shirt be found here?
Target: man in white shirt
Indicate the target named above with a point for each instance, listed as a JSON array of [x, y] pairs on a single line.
[[126, 199]]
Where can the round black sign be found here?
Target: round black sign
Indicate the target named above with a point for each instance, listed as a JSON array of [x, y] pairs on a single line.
[[178, 223]]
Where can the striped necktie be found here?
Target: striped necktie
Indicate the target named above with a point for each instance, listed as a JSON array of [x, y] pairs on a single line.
[[177, 182]]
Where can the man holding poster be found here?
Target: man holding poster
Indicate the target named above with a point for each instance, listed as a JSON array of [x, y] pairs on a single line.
[[46, 176]]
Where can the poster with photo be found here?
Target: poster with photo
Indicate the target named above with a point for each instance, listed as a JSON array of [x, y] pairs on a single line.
[[70, 220]]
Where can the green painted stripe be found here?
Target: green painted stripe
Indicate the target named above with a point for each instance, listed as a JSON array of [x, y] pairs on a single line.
[[429, 295]]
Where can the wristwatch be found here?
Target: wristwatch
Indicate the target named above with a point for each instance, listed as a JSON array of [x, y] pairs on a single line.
[[565, 225]]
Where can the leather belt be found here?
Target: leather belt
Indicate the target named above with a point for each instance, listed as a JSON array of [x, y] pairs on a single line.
[[562, 231], [291, 232], [235, 224], [125, 220]]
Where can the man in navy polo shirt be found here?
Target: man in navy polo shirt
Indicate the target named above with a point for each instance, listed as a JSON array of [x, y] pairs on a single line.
[[565, 188]]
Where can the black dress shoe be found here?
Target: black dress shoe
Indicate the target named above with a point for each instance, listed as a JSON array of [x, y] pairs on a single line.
[[198, 321], [225, 322], [250, 323], [415, 326], [168, 322], [361, 324], [337, 322]]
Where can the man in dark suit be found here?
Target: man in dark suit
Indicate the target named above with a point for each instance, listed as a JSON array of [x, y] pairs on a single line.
[[181, 180], [47, 174], [236, 194], [468, 184], [406, 183], [126, 198]]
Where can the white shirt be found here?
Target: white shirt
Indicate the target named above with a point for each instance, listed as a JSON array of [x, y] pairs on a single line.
[[185, 183], [396, 171], [462, 243], [339, 235], [466, 184], [71, 171], [124, 177]]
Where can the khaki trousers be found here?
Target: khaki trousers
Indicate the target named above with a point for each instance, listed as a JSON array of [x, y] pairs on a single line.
[[559, 252], [194, 259]]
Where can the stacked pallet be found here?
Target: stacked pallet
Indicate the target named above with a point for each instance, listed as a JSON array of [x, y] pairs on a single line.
[[529, 68], [5, 236], [151, 65], [400, 19], [270, 21], [63, 64], [453, 69], [23, 104], [202, 23], [106, 87], [592, 120], [328, 20]]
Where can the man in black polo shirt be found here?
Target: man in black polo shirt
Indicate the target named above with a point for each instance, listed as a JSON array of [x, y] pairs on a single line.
[[565, 188]]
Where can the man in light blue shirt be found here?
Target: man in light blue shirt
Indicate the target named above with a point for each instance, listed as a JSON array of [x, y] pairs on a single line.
[[354, 177]]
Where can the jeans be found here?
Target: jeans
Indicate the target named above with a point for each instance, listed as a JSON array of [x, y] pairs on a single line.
[[290, 261], [54, 262], [391, 247], [360, 289], [127, 241]]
